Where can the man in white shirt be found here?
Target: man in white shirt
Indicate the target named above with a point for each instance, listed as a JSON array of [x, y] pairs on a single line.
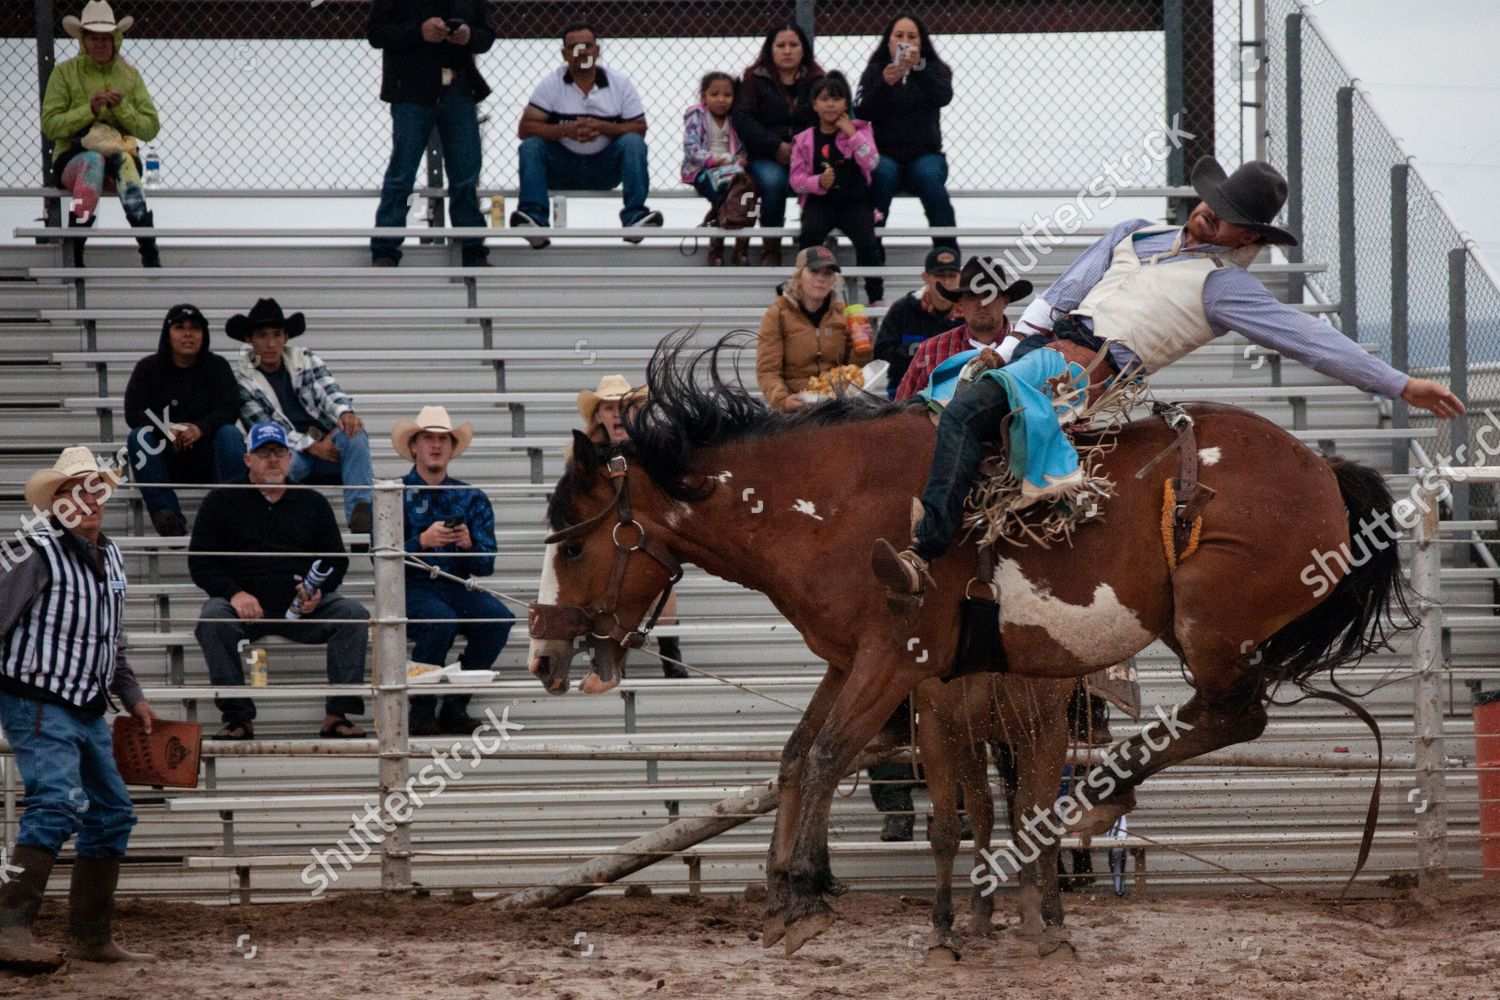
[[584, 128]]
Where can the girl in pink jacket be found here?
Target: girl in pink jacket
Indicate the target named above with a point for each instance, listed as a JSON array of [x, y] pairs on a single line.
[[831, 167]]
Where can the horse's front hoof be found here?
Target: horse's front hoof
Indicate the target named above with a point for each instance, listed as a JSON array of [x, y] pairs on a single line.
[[773, 929], [942, 956], [801, 931], [1055, 945], [980, 925]]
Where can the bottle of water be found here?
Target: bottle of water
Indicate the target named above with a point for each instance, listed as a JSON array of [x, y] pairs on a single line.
[[152, 161]]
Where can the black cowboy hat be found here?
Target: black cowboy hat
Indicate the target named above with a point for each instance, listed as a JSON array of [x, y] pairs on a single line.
[[985, 276], [1249, 197], [266, 312]]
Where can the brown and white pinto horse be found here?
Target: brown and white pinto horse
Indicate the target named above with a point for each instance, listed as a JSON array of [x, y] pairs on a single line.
[[790, 504]]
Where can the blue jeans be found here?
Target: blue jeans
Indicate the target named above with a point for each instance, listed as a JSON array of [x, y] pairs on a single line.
[[220, 459], [457, 124], [72, 785], [352, 469], [706, 188], [927, 178], [546, 165], [774, 181], [449, 601]]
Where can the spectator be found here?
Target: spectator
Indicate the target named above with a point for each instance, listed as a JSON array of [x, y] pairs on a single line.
[[62, 632], [182, 405], [831, 167], [980, 299], [712, 155], [918, 317], [429, 79], [453, 530], [774, 104], [272, 536], [603, 410], [902, 94], [584, 127], [95, 112], [1082, 878], [803, 333], [292, 387]]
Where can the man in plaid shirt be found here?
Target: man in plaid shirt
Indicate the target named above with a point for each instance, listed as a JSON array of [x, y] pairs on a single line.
[[984, 321], [292, 387]]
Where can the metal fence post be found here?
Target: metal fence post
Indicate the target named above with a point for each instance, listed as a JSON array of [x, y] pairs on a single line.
[[1295, 254], [1348, 280], [806, 16], [390, 683], [1400, 308], [1432, 810], [1458, 378], [46, 59], [435, 215], [1171, 15], [1262, 67]]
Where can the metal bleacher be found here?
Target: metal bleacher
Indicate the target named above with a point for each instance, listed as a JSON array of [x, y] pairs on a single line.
[[509, 347]]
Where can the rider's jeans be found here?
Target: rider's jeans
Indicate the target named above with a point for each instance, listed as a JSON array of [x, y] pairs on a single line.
[[971, 418]]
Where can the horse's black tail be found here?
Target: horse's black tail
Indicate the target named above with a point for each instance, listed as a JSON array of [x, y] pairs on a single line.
[[1368, 607]]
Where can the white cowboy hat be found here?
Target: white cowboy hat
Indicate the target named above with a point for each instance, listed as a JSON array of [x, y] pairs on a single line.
[[611, 389], [98, 17], [432, 418], [74, 463]]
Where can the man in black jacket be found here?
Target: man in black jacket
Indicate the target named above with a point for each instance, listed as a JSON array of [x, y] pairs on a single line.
[[182, 404], [916, 318], [429, 79], [250, 589]]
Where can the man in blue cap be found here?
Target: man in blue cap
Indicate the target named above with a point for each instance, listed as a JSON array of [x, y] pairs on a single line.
[[254, 547]]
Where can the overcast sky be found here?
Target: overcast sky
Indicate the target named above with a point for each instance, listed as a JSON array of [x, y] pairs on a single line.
[[1434, 73]]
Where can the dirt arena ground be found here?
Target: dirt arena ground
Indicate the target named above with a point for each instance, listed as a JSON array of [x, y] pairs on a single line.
[[442, 948]]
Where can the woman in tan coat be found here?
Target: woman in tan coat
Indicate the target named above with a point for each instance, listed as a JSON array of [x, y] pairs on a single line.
[[803, 333]]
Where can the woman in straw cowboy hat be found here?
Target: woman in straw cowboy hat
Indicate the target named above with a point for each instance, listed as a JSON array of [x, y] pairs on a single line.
[[451, 528], [62, 656], [603, 411], [95, 111]]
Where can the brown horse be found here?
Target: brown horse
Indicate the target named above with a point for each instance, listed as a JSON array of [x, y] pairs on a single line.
[[789, 504]]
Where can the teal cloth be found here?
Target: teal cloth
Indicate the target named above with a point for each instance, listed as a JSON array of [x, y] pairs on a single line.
[[1038, 446]]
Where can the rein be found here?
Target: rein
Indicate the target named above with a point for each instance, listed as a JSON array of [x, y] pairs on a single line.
[[569, 621]]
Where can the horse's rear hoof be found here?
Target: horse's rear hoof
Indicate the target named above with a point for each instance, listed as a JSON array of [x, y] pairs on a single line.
[[1055, 946], [799, 932], [980, 926], [940, 956], [773, 930]]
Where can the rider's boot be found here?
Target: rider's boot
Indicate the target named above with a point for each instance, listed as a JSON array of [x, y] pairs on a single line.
[[904, 574]]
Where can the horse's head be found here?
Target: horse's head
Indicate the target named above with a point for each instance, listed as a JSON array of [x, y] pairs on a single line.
[[604, 579]]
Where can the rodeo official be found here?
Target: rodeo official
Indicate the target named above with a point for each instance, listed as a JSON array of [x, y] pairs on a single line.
[[61, 658]]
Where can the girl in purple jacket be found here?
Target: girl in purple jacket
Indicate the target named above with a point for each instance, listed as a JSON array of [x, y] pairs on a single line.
[[831, 167], [712, 154]]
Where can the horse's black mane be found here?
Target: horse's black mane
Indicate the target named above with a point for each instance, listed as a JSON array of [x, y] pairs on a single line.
[[690, 406]]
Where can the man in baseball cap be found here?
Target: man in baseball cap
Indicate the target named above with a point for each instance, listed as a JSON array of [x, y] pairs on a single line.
[[919, 316]]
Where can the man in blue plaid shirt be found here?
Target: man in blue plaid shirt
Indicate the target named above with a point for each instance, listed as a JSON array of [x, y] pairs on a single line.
[[454, 530]]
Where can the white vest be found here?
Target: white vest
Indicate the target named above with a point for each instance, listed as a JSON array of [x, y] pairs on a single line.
[[1156, 309]]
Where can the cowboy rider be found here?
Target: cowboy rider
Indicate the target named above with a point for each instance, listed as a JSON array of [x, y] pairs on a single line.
[[1150, 294]]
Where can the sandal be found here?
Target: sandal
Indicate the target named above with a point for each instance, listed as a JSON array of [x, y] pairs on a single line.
[[236, 731], [343, 729]]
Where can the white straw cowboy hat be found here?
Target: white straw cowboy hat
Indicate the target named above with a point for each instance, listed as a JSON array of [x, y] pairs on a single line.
[[611, 389], [98, 17], [432, 418], [74, 463]]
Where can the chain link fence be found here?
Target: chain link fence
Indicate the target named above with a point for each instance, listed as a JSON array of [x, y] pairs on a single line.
[[283, 94], [1406, 278]]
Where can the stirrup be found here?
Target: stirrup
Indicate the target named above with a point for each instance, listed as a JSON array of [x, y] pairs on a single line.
[[895, 570]]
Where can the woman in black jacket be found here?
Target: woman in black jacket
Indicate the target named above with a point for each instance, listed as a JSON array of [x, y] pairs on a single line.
[[775, 103], [902, 94]]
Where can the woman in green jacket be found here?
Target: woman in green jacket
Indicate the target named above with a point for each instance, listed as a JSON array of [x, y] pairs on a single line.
[[95, 110]]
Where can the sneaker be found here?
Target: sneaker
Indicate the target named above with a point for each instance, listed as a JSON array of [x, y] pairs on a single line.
[[384, 262], [652, 219], [169, 523], [425, 726], [360, 520], [520, 220], [879, 304], [897, 827]]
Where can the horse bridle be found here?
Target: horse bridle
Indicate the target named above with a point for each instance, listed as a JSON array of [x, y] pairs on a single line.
[[569, 621]]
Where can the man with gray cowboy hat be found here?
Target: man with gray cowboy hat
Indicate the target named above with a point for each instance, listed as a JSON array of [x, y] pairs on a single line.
[[62, 656], [451, 526], [1150, 294]]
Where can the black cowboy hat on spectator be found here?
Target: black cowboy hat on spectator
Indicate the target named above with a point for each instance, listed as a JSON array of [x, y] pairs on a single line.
[[985, 277], [1249, 197], [266, 312]]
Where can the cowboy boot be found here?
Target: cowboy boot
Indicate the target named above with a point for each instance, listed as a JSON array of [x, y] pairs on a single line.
[[77, 245], [770, 251], [20, 898], [91, 907], [149, 255], [905, 575], [740, 257], [716, 251]]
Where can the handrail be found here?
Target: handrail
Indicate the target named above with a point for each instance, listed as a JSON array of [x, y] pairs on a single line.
[[438, 192]]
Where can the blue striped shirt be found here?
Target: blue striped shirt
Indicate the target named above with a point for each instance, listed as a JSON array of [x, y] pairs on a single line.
[[423, 506], [1234, 299]]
